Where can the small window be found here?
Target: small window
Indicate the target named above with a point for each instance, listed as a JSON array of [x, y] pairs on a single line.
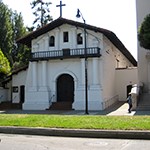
[[15, 89], [79, 38], [52, 41], [66, 37]]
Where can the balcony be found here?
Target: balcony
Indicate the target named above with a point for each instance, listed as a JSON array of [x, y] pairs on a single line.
[[66, 53]]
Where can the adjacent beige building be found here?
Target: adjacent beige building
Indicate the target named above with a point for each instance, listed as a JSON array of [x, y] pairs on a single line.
[[143, 8]]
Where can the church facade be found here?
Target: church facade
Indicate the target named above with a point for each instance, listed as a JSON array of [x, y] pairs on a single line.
[[56, 73]]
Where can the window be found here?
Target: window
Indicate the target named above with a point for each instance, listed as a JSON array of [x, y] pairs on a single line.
[[52, 41], [66, 37], [15, 89], [79, 38]]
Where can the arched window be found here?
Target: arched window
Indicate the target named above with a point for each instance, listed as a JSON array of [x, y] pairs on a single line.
[[52, 41], [79, 38]]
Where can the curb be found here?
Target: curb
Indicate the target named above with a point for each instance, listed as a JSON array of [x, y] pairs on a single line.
[[77, 132]]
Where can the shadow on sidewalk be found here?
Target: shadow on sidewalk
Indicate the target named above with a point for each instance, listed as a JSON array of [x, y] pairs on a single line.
[[64, 112], [118, 109]]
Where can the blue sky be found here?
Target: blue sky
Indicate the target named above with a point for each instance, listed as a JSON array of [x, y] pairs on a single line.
[[118, 16]]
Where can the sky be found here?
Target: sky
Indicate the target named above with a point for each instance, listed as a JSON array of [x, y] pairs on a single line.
[[119, 16]]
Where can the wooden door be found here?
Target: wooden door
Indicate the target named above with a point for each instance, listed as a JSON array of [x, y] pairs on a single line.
[[22, 93], [65, 88]]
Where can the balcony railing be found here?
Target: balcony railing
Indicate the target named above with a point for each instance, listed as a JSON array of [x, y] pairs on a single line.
[[66, 53]]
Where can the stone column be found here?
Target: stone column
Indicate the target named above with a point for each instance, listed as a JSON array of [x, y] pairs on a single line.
[[34, 76]]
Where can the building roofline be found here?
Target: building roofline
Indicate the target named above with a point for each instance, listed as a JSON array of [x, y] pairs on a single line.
[[60, 21]]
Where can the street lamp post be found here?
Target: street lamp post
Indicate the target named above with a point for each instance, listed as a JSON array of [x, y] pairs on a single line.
[[79, 14]]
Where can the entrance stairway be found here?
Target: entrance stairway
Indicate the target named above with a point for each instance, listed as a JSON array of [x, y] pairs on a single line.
[[10, 105], [144, 102], [61, 106]]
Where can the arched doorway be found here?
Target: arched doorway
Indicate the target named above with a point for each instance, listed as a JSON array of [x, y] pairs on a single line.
[[65, 88]]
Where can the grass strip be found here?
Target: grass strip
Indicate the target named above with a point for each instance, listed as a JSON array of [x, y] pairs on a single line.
[[77, 122]]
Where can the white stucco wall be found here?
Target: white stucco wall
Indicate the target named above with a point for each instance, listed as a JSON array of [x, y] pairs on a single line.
[[112, 59], [125, 77], [18, 80], [3, 94], [143, 8], [39, 44], [8, 86], [6, 92]]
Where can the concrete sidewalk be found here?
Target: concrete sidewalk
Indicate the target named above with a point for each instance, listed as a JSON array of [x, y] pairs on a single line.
[[119, 109]]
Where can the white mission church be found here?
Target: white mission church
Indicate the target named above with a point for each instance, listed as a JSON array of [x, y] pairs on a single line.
[[55, 77], [56, 73]]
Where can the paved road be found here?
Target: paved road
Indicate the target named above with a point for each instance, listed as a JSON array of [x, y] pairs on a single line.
[[24, 142]]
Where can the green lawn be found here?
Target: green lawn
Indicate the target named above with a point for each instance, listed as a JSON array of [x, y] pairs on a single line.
[[77, 122]]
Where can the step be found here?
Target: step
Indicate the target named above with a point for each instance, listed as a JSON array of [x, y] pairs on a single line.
[[9, 105], [61, 106], [144, 108], [144, 102]]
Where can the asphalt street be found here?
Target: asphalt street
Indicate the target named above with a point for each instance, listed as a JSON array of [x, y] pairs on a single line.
[[26, 142]]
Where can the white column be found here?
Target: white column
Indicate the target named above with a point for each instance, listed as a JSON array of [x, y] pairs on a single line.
[[34, 76], [57, 39], [44, 71], [95, 71], [46, 40], [35, 48], [74, 37], [44, 76], [101, 73], [82, 71]]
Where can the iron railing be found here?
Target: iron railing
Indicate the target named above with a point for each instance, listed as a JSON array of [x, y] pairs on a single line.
[[66, 53]]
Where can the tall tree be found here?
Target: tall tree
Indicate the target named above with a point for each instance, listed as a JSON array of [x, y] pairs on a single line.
[[20, 53], [42, 13], [144, 33], [6, 31], [12, 28]]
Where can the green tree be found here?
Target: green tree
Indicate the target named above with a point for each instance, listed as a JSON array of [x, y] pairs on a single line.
[[144, 33], [4, 65], [12, 28], [6, 31], [42, 13], [20, 53]]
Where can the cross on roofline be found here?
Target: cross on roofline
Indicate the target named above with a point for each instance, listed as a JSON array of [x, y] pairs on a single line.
[[60, 5]]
